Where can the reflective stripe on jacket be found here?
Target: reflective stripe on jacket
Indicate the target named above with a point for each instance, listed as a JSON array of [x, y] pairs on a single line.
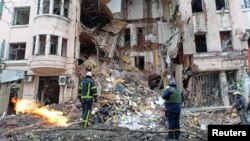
[[89, 90]]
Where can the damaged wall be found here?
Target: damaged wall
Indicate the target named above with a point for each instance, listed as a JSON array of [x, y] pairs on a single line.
[[157, 10], [224, 21], [199, 21], [213, 36], [149, 31], [4, 100], [187, 28], [238, 25], [219, 61], [135, 9], [165, 31]]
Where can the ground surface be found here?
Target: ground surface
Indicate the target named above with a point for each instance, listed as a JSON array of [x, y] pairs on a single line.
[[30, 128]]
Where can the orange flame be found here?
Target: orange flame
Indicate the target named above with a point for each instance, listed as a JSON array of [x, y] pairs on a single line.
[[31, 107]]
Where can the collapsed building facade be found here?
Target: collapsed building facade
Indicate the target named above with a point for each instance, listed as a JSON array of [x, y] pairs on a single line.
[[202, 43], [214, 43]]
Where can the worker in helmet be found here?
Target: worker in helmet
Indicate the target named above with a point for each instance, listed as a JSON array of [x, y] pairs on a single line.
[[88, 95], [173, 100], [240, 106]]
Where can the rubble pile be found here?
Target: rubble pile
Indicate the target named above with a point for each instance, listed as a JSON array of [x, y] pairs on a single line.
[[123, 102], [126, 103]]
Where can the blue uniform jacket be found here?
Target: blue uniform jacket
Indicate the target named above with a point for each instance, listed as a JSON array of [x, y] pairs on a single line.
[[89, 90], [240, 103], [172, 107]]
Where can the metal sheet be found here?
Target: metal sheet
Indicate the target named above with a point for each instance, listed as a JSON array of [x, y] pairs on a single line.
[[115, 26], [11, 75]]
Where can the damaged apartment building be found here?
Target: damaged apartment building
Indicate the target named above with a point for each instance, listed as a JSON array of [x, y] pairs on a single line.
[[45, 44], [213, 49], [201, 43], [38, 41]]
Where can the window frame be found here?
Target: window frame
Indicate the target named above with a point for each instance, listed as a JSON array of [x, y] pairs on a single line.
[[245, 4], [16, 9], [16, 49]]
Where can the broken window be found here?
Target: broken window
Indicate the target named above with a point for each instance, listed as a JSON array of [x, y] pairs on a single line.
[[139, 62], [17, 51], [206, 91], [140, 37], [42, 44], [226, 42], [245, 4], [221, 4], [21, 16], [197, 6], [201, 43], [53, 45], [64, 47], [48, 90], [127, 37]]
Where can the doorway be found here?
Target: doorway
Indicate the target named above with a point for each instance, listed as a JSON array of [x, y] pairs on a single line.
[[13, 96], [139, 62], [48, 90]]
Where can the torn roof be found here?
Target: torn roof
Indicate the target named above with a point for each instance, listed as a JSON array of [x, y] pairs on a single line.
[[115, 26], [94, 12], [98, 29]]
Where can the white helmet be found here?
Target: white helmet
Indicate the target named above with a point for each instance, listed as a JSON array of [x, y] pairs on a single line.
[[89, 73]]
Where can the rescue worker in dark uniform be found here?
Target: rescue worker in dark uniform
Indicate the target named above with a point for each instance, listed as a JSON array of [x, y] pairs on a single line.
[[173, 100], [88, 94], [240, 106]]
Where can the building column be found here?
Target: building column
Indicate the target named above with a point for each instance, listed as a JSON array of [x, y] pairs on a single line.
[[47, 46], [59, 47], [62, 8], [37, 44], [213, 27], [51, 6], [133, 35], [224, 88], [41, 7], [185, 9]]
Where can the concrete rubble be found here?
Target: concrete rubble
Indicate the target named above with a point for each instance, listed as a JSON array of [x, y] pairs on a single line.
[[124, 105]]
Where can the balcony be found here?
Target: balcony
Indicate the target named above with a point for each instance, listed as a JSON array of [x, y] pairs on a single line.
[[47, 64], [44, 24]]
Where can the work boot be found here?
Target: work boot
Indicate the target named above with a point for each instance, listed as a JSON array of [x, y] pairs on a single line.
[[177, 134]]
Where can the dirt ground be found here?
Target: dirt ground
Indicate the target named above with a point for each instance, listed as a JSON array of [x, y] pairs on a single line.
[[30, 128]]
